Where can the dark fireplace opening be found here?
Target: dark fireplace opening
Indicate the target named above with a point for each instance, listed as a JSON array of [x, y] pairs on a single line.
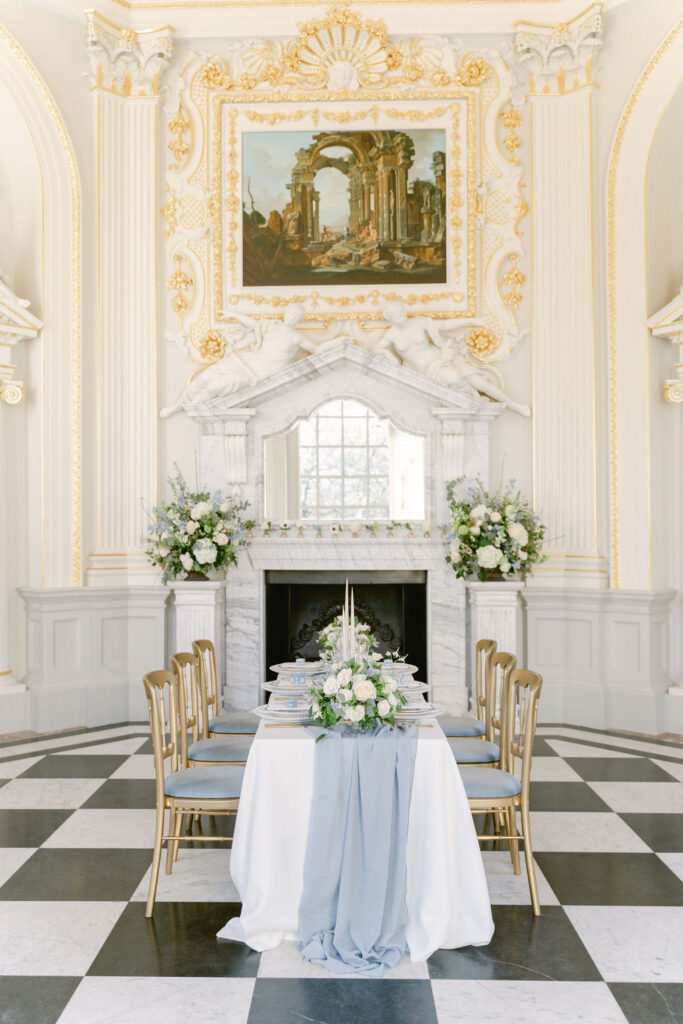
[[300, 604]]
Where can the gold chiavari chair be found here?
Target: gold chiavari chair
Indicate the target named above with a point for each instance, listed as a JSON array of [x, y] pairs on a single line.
[[499, 790], [473, 726], [195, 750], [215, 723], [183, 790], [487, 750]]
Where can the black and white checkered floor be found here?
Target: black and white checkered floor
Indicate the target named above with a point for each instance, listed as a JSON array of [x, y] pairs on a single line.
[[76, 826]]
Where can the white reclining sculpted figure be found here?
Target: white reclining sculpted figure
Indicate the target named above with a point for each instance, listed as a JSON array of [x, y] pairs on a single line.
[[437, 352], [274, 345]]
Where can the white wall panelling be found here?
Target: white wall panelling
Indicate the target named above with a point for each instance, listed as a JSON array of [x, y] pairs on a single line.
[[125, 75], [197, 612], [494, 612], [88, 649]]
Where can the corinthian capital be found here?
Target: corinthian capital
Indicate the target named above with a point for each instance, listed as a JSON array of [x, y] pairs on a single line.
[[16, 324], [560, 57], [127, 62]]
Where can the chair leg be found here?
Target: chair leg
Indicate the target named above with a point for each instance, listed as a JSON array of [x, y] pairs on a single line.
[[156, 861], [511, 825], [529, 858], [172, 855]]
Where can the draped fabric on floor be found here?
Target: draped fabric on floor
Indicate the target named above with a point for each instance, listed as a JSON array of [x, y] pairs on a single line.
[[353, 913]]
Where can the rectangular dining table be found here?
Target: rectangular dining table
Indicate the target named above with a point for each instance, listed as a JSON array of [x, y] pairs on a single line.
[[446, 892]]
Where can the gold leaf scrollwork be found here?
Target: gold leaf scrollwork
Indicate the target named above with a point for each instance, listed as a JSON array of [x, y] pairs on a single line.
[[473, 71], [513, 279], [481, 343], [511, 119], [179, 282], [177, 126], [169, 211], [212, 347], [521, 208]]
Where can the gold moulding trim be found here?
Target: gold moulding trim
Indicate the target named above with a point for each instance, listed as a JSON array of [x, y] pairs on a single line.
[[513, 279], [178, 125], [197, 5], [169, 211], [345, 117], [179, 282], [315, 298], [74, 184], [511, 120], [612, 296]]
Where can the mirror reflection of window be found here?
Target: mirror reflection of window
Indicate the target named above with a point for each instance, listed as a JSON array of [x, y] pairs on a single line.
[[344, 463]]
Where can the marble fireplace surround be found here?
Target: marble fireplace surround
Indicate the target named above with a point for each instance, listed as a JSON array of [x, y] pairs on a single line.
[[455, 424]]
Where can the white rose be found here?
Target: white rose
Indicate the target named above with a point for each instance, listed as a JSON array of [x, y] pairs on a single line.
[[390, 684], [523, 555], [517, 533], [187, 561], [315, 710], [205, 552], [331, 685], [364, 690], [383, 708], [357, 713], [191, 526], [488, 556], [455, 553], [393, 699], [202, 508], [345, 677], [221, 538], [479, 512], [224, 507], [475, 531], [163, 550], [345, 693], [505, 566], [495, 517]]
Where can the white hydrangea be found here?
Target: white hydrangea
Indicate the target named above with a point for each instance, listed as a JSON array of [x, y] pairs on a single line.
[[205, 551], [202, 508], [518, 534], [488, 556], [383, 708], [479, 512], [187, 561], [495, 517], [523, 555]]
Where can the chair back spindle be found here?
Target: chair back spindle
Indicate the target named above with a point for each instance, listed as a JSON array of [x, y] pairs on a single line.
[[500, 666], [483, 652], [186, 670], [205, 652], [523, 692], [162, 686]]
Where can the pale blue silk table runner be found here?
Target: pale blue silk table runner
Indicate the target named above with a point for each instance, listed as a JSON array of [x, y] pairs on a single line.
[[353, 913]]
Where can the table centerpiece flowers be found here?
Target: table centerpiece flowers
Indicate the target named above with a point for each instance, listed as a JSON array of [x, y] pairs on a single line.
[[357, 693], [197, 532], [492, 536]]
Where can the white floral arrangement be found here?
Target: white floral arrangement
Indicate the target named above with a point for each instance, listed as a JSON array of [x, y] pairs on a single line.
[[330, 638], [492, 535], [196, 532], [356, 693]]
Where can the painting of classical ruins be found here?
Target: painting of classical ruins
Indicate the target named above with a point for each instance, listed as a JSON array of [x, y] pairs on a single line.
[[344, 208]]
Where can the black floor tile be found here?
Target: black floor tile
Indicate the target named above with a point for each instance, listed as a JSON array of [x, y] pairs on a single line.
[[523, 948], [542, 748], [663, 833], [611, 879], [650, 1004], [75, 766], [60, 874], [3, 782], [146, 748], [179, 941], [29, 827], [618, 769], [124, 793], [208, 825], [29, 1000], [342, 1001], [564, 796]]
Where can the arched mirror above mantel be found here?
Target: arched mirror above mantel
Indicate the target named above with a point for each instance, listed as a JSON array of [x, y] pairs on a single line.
[[344, 463]]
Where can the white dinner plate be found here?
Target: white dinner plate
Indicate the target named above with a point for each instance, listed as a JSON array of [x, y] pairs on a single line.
[[299, 715], [407, 713], [398, 668], [290, 668]]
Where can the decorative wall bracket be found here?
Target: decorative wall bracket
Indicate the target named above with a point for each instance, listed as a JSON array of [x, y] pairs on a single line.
[[16, 324], [344, 73], [668, 323]]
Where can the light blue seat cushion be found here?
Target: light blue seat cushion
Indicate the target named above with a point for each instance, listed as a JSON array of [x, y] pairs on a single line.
[[474, 751], [489, 782], [234, 721], [228, 748], [461, 725], [223, 782]]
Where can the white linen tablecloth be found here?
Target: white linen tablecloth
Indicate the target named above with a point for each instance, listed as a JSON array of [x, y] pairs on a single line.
[[446, 893]]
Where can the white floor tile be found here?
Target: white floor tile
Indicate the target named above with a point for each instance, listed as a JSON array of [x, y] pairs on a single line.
[[11, 858], [115, 747], [285, 961], [105, 829], [553, 769], [138, 766], [75, 740], [61, 938], [10, 769], [40, 794], [198, 876], [672, 767], [567, 749], [632, 943], [533, 1002], [637, 797], [674, 861], [586, 832], [639, 746], [505, 887], [156, 1000]]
